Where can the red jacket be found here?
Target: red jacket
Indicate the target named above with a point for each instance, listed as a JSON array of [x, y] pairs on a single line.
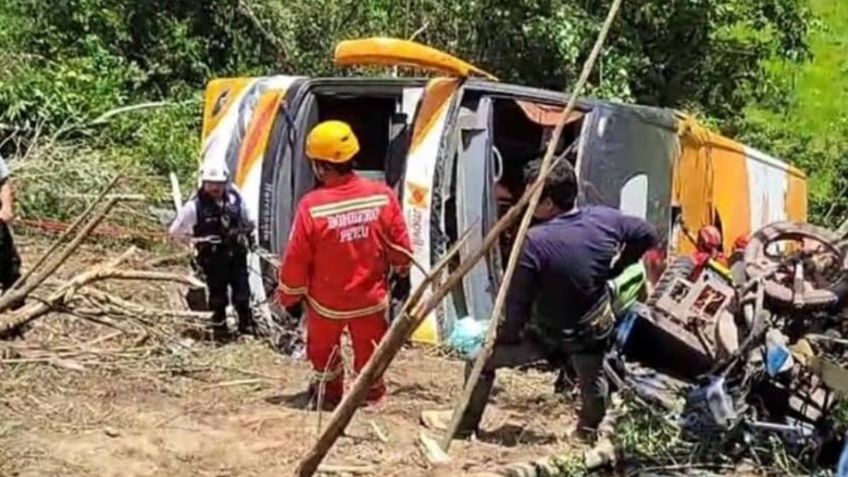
[[337, 257]]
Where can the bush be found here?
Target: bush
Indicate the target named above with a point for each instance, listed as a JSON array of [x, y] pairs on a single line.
[[64, 64]]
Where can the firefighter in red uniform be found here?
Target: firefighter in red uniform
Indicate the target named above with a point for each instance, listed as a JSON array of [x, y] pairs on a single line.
[[346, 236]]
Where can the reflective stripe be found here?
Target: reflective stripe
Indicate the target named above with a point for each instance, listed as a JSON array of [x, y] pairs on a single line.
[[291, 291], [347, 314], [348, 205]]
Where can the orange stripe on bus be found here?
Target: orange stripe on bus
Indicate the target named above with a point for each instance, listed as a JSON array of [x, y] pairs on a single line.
[[731, 194], [436, 99], [258, 132]]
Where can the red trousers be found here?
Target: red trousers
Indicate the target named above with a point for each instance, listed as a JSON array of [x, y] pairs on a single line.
[[323, 349]]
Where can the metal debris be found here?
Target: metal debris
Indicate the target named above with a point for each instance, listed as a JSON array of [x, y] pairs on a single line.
[[758, 357]]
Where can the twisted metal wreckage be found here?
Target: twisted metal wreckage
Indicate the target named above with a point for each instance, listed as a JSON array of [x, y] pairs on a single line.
[[755, 350]]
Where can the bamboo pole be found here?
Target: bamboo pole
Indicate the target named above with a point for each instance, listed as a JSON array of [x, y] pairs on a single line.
[[11, 322], [43, 258], [500, 300], [62, 296], [18, 294]]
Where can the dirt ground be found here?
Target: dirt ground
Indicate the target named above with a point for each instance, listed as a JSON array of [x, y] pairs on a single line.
[[83, 398]]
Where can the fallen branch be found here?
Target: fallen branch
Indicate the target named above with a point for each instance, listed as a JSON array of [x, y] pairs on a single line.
[[134, 107], [19, 294], [151, 276], [546, 166], [168, 259], [381, 436], [105, 303], [56, 243], [842, 231], [58, 298], [126, 307], [237, 382], [432, 452]]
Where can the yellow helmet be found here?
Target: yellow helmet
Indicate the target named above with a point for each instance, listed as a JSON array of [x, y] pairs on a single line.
[[332, 141]]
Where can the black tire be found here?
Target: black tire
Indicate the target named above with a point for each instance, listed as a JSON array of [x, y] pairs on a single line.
[[680, 266], [781, 297]]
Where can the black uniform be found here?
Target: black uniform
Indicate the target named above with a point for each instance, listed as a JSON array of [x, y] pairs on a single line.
[[225, 264], [10, 261]]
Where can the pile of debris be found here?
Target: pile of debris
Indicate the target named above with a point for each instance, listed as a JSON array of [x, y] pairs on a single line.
[[753, 351]]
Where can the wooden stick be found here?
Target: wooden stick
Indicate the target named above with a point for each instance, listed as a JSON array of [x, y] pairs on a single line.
[[126, 197], [168, 259], [69, 230], [176, 193], [151, 276], [58, 298], [517, 245], [405, 252], [381, 436], [126, 109], [16, 295], [136, 309], [237, 382]]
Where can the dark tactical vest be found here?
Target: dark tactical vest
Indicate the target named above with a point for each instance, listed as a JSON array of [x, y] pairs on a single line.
[[224, 221]]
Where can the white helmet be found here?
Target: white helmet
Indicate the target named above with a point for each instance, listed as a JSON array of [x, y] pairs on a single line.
[[214, 173]]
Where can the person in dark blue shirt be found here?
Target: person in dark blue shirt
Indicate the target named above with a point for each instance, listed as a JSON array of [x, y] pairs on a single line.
[[561, 283]]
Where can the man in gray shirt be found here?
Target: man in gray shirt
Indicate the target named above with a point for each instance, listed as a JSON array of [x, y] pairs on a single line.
[[10, 261]]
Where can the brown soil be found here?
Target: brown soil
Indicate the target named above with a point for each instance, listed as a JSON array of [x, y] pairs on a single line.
[[79, 398]]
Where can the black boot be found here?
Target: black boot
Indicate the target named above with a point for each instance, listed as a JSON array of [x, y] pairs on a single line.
[[219, 326], [246, 326]]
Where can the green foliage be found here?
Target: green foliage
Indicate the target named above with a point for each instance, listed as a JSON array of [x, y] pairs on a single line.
[[808, 124], [640, 433], [703, 54], [51, 179], [70, 90], [66, 63], [161, 139], [570, 464]]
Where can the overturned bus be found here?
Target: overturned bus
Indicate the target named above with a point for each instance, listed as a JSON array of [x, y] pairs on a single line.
[[454, 147]]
